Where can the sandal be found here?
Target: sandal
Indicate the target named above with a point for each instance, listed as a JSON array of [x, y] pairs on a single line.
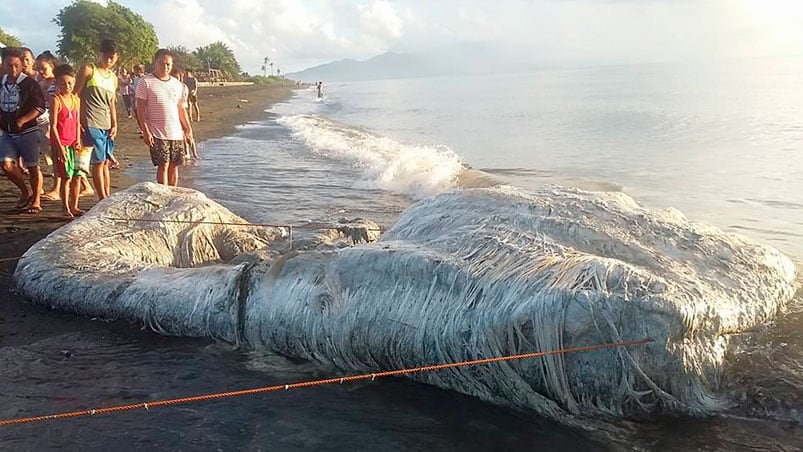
[[33, 210]]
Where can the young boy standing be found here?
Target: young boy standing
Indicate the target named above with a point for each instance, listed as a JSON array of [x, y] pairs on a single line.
[[96, 85], [65, 135]]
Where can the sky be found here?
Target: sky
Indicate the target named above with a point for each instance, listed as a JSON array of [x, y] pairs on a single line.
[[296, 34]]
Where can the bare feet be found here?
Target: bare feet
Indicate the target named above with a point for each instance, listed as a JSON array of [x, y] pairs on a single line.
[[76, 212], [51, 196], [86, 188]]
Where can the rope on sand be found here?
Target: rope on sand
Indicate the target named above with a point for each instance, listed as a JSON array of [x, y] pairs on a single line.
[[313, 383]]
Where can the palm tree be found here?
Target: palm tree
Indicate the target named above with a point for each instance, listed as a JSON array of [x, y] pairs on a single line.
[[271, 68], [265, 62], [218, 55]]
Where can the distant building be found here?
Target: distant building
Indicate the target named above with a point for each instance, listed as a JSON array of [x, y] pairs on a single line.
[[211, 76]]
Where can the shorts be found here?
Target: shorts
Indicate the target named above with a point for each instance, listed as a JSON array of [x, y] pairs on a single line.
[[45, 149], [100, 142], [26, 146], [192, 98], [68, 168], [167, 151]]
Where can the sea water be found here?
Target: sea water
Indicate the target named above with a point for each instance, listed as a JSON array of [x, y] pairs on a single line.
[[719, 141]]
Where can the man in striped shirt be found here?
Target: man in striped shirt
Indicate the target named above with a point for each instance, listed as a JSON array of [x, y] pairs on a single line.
[[162, 118]]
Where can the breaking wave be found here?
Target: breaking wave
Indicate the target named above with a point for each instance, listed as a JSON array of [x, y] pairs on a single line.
[[388, 164], [462, 275]]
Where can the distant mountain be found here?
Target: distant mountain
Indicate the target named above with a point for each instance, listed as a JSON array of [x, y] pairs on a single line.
[[387, 65], [460, 59]]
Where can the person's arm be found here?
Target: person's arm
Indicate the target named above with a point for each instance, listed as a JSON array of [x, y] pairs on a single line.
[[113, 110], [84, 74], [182, 116], [34, 101], [54, 131], [77, 105], [142, 112]]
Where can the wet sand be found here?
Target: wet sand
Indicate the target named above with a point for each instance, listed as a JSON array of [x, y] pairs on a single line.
[[222, 109]]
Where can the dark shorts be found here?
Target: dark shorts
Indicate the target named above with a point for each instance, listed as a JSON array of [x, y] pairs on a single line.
[[26, 146], [192, 98], [167, 151]]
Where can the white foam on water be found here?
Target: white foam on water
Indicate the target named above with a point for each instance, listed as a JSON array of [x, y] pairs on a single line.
[[388, 164]]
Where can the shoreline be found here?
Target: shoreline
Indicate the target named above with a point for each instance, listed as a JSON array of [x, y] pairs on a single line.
[[222, 110]]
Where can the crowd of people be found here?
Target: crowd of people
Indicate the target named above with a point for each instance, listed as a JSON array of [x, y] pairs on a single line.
[[69, 117]]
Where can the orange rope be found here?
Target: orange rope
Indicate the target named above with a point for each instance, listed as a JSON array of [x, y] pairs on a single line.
[[313, 383], [222, 223]]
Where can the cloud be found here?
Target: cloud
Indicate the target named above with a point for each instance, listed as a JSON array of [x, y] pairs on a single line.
[[299, 33]]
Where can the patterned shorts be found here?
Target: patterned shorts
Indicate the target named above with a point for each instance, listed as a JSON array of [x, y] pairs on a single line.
[[167, 151]]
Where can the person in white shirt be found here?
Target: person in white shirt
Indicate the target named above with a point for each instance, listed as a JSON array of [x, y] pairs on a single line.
[[160, 100]]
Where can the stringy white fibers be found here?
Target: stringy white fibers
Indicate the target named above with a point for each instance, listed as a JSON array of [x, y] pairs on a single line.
[[460, 276]]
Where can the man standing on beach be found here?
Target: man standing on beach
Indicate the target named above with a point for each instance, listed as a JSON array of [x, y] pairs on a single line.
[[97, 87], [162, 118], [192, 98], [21, 102]]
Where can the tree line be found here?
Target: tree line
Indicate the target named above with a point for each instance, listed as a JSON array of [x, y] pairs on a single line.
[[85, 23]]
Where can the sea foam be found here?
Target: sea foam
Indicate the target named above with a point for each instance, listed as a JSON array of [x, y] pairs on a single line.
[[385, 163], [463, 275]]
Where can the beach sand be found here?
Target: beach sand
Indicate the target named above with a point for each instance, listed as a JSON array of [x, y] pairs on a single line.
[[222, 109]]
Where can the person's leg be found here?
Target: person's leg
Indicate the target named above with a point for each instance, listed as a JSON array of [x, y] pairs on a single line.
[[107, 178], [29, 147], [110, 160], [16, 177], [35, 175], [75, 193], [194, 107], [65, 196], [44, 143], [86, 187], [55, 192], [172, 174], [94, 140], [160, 157], [21, 166], [161, 173], [98, 179], [8, 150]]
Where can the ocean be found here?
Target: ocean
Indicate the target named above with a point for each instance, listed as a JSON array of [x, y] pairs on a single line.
[[718, 141]]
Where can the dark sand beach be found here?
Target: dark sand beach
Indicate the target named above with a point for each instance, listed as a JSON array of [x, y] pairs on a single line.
[[222, 109]]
